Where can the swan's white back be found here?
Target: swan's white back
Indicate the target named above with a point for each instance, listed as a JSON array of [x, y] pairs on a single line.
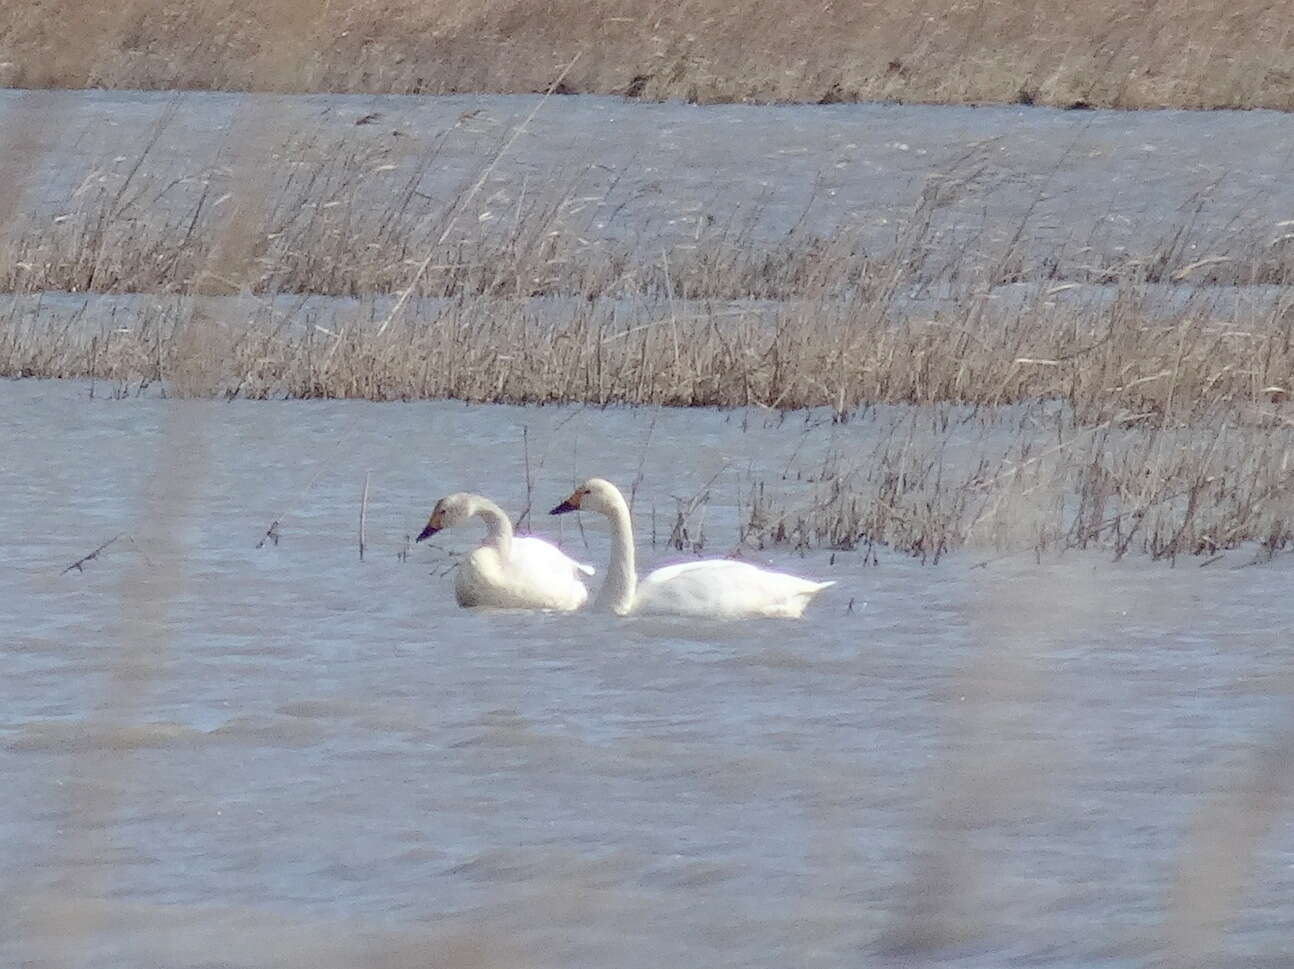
[[724, 589], [536, 575]]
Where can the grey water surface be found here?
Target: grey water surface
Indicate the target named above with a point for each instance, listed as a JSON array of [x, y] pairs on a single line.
[[216, 754]]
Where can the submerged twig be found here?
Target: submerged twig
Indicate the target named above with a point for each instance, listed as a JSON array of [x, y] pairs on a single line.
[[271, 534], [79, 564]]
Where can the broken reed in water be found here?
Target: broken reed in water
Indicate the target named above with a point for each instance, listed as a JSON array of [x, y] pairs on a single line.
[[1116, 53]]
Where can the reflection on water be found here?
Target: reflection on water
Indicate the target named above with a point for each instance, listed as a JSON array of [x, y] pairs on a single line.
[[222, 755]]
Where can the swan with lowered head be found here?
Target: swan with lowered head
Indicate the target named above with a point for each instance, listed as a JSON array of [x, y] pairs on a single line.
[[506, 571], [715, 588]]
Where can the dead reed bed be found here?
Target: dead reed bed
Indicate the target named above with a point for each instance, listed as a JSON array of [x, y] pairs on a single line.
[[1116, 53], [1122, 359], [934, 480], [1075, 398], [346, 216], [322, 278], [1038, 430]]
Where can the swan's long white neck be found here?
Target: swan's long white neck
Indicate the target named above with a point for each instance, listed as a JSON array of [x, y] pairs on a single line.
[[617, 592], [498, 529]]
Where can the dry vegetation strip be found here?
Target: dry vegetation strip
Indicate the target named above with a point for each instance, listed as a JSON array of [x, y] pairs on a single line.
[[1117, 53], [1039, 428], [1114, 362], [944, 479], [534, 307], [1130, 422]]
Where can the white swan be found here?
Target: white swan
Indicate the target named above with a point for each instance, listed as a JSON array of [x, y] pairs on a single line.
[[505, 571], [717, 588]]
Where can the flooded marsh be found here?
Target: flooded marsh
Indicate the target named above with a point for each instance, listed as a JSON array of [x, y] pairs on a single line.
[[1016, 381]]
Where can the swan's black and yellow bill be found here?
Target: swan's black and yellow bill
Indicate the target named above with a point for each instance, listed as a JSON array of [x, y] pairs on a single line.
[[570, 504], [435, 523]]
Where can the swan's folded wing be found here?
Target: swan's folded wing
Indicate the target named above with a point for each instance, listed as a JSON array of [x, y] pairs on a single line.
[[719, 568], [725, 589], [535, 554]]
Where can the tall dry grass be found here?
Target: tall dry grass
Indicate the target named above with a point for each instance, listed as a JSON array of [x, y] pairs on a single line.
[[1117, 53], [534, 308], [1041, 430], [937, 480], [1106, 364], [1051, 399]]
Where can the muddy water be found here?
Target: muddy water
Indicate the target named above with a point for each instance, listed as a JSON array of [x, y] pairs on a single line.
[[219, 755]]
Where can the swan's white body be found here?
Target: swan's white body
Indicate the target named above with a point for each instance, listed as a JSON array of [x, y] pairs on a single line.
[[504, 571], [713, 588]]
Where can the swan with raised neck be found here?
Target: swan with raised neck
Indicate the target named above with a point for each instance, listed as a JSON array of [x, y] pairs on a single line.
[[621, 583], [715, 588]]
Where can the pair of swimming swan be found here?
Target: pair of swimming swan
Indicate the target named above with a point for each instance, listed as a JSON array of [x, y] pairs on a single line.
[[512, 572]]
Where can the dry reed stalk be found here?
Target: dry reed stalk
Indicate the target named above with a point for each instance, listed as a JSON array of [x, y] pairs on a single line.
[[992, 769], [273, 533], [471, 193], [363, 515], [530, 481], [231, 264]]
